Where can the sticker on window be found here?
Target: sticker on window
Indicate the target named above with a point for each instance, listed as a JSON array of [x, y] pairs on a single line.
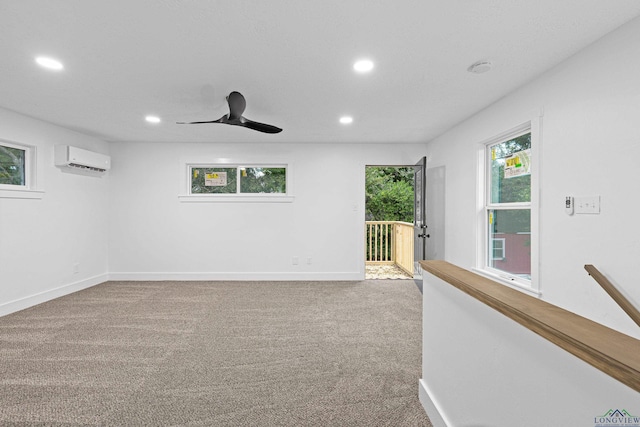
[[215, 179], [518, 164]]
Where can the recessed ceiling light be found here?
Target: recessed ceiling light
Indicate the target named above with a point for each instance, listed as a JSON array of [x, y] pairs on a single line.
[[345, 120], [363, 66], [480, 67], [152, 119], [50, 63]]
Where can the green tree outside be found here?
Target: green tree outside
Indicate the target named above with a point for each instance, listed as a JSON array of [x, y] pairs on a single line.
[[389, 197], [389, 193]]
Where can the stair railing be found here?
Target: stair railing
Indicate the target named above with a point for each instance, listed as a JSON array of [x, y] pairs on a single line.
[[614, 293]]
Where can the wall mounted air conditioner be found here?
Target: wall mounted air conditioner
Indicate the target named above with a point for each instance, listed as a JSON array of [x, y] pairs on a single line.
[[77, 158]]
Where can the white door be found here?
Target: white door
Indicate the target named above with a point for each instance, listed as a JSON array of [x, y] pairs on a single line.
[[420, 234]]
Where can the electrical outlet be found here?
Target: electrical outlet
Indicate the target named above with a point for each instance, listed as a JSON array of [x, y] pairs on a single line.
[[308, 260], [76, 268], [295, 260]]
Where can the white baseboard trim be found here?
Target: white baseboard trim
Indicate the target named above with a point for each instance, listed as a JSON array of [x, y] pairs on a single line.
[[431, 406], [238, 276], [39, 298]]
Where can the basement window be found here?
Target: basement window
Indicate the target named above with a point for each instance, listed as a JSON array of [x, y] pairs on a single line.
[[242, 182]]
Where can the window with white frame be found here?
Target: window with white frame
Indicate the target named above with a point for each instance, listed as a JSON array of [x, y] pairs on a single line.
[[507, 213], [15, 166], [237, 179]]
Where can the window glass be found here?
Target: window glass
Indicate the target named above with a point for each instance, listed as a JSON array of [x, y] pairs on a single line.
[[510, 241], [12, 166], [511, 170], [263, 180], [497, 251], [237, 179], [213, 180], [508, 206]]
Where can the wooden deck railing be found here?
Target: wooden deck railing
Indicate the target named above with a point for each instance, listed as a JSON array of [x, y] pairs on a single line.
[[390, 242]]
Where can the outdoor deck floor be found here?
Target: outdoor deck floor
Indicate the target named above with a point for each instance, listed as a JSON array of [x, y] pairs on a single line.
[[376, 271]]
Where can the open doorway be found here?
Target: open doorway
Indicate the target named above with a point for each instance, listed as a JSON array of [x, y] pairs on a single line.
[[389, 216]]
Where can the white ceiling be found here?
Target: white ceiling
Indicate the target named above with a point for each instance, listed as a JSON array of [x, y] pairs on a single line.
[[291, 59]]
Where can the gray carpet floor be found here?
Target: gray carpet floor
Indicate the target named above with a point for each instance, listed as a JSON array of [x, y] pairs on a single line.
[[216, 354]]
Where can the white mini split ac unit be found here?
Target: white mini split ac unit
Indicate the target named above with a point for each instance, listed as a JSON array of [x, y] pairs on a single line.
[[74, 157]]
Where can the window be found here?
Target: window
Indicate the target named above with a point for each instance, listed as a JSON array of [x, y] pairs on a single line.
[[17, 171], [13, 166], [263, 180], [507, 217], [214, 180], [249, 182], [238, 180]]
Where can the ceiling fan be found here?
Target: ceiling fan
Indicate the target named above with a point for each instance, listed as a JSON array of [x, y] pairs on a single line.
[[237, 104]]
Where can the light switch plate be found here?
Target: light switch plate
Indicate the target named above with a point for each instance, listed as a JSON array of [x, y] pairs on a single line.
[[587, 205]]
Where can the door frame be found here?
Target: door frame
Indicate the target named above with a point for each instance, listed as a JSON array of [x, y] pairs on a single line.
[[363, 250]]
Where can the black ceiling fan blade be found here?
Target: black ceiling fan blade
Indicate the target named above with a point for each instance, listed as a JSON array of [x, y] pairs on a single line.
[[260, 127], [220, 120], [237, 105]]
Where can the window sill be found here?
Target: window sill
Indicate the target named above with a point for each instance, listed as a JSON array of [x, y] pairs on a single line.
[[21, 194], [512, 283], [235, 198]]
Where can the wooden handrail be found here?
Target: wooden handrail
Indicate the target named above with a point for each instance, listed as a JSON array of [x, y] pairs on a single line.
[[612, 352], [614, 293]]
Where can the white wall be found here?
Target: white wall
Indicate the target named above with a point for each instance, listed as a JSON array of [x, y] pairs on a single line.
[[155, 236], [590, 146], [489, 371], [42, 239]]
